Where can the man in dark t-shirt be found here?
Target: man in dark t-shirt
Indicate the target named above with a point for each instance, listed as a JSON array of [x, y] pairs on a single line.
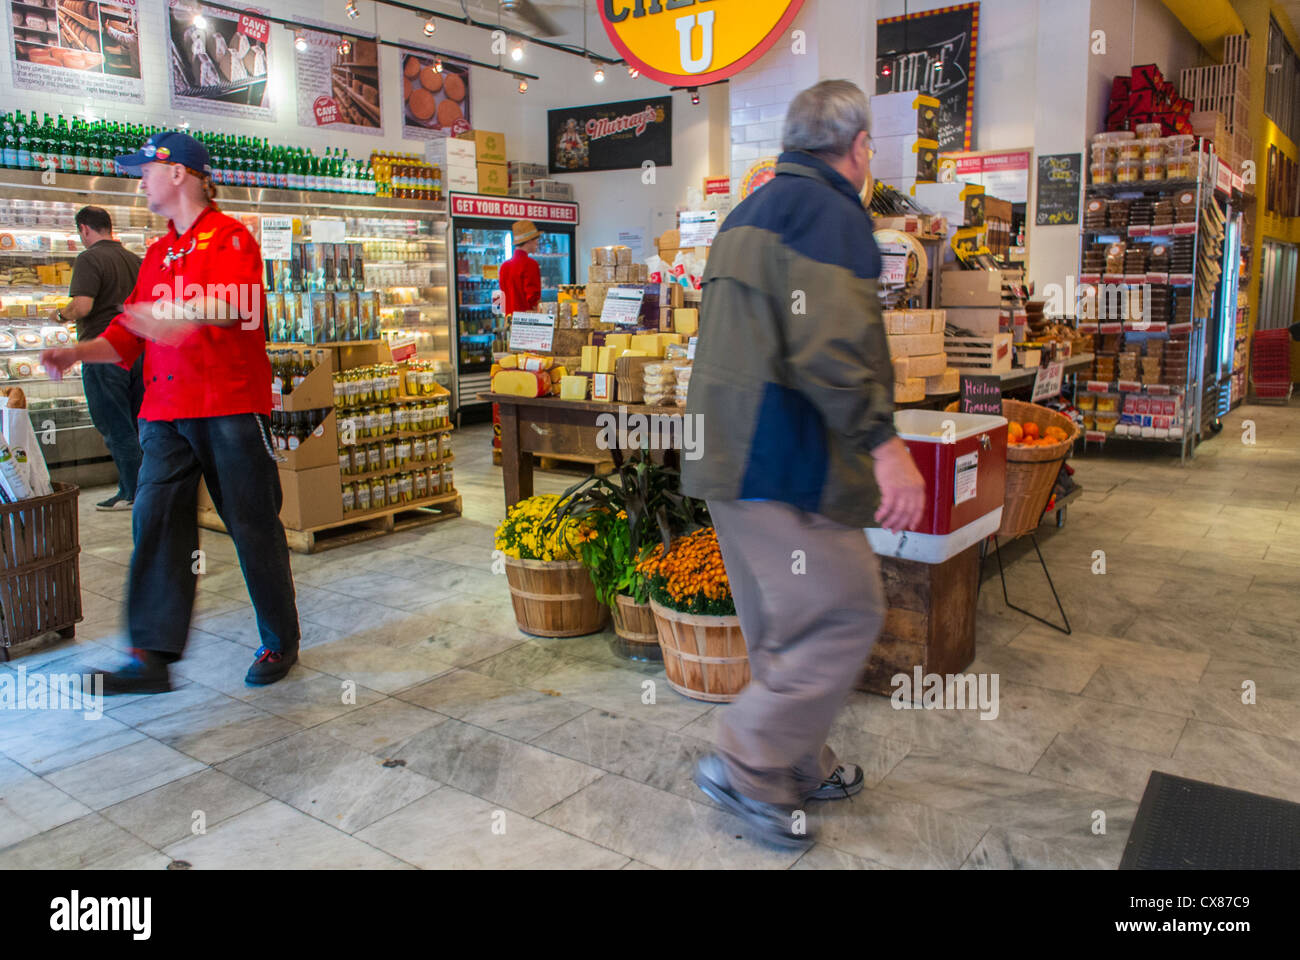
[[102, 278]]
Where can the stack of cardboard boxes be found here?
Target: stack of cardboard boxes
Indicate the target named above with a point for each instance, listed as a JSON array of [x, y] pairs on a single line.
[[530, 181], [459, 162], [490, 153], [905, 135]]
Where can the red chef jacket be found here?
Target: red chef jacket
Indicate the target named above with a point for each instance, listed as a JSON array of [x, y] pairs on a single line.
[[521, 282], [217, 371]]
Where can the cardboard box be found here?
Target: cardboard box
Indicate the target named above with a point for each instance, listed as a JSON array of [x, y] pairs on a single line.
[[493, 179], [311, 497], [490, 147], [522, 170], [915, 345], [901, 114], [317, 390], [905, 156], [449, 152], [319, 449], [980, 321], [970, 288], [460, 182]]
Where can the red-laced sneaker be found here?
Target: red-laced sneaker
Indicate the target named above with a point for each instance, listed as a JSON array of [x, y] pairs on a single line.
[[270, 666], [146, 673]]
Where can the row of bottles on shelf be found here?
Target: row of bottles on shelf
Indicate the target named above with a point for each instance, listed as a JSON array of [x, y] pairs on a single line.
[[410, 487], [473, 291], [289, 368], [404, 176], [313, 267], [290, 430], [90, 147]]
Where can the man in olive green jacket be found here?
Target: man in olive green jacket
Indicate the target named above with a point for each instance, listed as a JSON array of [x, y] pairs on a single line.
[[793, 392]]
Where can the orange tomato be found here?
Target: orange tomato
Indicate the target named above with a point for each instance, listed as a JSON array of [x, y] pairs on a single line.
[[1031, 431], [1015, 432]]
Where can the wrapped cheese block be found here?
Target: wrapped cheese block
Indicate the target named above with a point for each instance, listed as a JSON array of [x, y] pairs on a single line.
[[915, 345], [931, 365], [204, 70], [910, 390], [947, 382], [573, 388], [522, 383]]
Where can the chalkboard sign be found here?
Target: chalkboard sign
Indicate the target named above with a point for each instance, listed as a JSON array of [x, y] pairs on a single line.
[[1059, 178], [933, 52], [981, 395]]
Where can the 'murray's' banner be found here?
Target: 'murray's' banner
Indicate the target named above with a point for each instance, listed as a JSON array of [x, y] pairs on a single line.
[[611, 136], [933, 52]]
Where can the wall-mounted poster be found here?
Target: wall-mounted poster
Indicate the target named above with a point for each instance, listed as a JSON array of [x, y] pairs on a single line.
[[77, 48], [219, 65], [435, 94], [611, 136], [933, 52], [338, 81]]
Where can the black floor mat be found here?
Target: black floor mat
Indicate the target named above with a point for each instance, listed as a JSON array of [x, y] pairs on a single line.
[[1189, 825]]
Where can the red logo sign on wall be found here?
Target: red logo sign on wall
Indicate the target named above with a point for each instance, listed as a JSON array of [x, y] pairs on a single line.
[[254, 28], [695, 42], [326, 110], [499, 208]]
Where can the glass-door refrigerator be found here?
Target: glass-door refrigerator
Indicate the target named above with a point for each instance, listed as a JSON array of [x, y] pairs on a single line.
[[481, 241]]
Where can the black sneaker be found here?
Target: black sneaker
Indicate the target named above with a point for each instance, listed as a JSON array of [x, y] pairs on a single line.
[[774, 822], [845, 781], [270, 666], [115, 503], [146, 673]]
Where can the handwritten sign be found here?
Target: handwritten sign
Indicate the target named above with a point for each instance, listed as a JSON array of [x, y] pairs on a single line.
[[1059, 177], [622, 306], [531, 332], [1048, 381], [981, 395]]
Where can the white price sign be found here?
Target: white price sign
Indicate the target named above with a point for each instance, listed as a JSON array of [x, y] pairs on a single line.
[[1048, 381], [532, 332], [622, 306], [327, 231], [277, 238], [698, 227]]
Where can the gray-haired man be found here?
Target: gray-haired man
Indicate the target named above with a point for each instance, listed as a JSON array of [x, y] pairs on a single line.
[[794, 388]]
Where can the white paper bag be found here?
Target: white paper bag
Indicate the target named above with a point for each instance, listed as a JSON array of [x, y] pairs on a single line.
[[24, 444]]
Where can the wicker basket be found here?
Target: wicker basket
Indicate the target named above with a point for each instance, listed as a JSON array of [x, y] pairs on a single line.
[[704, 657], [40, 582], [1031, 471]]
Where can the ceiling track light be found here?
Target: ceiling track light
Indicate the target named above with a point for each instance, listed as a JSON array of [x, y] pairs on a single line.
[[430, 27], [695, 95], [599, 75], [633, 71], [523, 85], [345, 47], [351, 10], [517, 51], [299, 42]]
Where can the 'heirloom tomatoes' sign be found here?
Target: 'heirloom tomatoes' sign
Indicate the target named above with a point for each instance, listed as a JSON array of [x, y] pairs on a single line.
[[694, 42]]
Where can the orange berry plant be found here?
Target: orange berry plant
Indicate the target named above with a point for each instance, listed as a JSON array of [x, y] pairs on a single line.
[[690, 577]]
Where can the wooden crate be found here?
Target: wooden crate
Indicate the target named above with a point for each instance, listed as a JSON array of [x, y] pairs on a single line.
[[929, 621], [40, 586], [979, 355]]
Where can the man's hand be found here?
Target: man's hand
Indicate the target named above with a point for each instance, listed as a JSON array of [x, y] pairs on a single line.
[[162, 322], [57, 360], [55, 318], [902, 488]]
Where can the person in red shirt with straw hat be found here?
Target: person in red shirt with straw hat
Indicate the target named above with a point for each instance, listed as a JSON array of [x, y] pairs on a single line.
[[521, 277], [196, 316]]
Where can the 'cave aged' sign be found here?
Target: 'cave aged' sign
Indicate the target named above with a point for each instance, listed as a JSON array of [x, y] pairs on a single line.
[[694, 42]]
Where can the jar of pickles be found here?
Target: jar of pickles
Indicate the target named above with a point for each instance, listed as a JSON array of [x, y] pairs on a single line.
[[349, 497], [389, 451], [364, 385], [420, 484], [385, 420], [419, 450], [374, 458], [362, 496], [444, 445], [435, 481], [378, 493], [394, 486], [406, 487], [448, 485], [345, 461], [403, 452]]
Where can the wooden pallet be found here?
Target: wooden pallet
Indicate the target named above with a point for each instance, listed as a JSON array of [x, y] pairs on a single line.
[[355, 530]]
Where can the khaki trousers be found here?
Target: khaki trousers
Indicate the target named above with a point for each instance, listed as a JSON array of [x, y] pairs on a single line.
[[811, 604]]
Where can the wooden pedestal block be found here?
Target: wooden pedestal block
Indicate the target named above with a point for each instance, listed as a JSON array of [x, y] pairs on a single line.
[[930, 620]]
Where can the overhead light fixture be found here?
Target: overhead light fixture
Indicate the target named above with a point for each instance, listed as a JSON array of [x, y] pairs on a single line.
[[351, 10], [517, 51], [633, 71], [345, 47], [695, 95], [200, 21], [599, 75], [430, 26], [437, 65], [523, 85], [299, 42], [886, 70], [938, 64]]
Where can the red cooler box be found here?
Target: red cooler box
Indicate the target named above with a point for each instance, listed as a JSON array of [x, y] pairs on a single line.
[[963, 458]]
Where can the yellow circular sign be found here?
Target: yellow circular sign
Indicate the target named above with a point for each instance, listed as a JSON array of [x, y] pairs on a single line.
[[695, 42]]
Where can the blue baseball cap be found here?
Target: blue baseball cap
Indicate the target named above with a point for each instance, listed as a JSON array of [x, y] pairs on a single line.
[[170, 147]]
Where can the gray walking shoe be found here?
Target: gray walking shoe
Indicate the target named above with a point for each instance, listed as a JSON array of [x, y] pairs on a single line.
[[773, 822], [845, 781]]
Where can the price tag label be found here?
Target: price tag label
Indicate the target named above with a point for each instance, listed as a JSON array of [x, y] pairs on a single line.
[[277, 237], [622, 306], [255, 28], [965, 476], [402, 348], [698, 227], [532, 332], [277, 398], [1048, 381]]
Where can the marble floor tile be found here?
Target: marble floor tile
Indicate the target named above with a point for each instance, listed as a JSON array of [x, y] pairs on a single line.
[[240, 625], [380, 668], [218, 730], [172, 812], [620, 691], [897, 833], [462, 646], [382, 728], [1002, 849], [345, 787], [663, 830], [87, 843], [307, 698], [1108, 651], [822, 857], [512, 711], [49, 741], [1240, 752], [184, 696], [524, 663], [124, 773], [1056, 670], [452, 830], [30, 805], [275, 836], [496, 768]]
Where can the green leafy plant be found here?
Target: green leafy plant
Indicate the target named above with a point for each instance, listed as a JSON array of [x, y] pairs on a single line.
[[636, 507]]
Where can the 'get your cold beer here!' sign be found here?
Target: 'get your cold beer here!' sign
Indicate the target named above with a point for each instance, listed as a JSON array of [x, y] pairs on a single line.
[[695, 42]]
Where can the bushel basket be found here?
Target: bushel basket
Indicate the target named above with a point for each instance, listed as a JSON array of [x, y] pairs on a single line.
[[1031, 471], [40, 586]]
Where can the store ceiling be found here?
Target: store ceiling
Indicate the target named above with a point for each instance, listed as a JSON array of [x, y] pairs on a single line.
[[567, 14]]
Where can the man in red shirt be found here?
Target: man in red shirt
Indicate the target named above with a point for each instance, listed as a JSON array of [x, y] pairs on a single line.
[[521, 278], [196, 315]]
